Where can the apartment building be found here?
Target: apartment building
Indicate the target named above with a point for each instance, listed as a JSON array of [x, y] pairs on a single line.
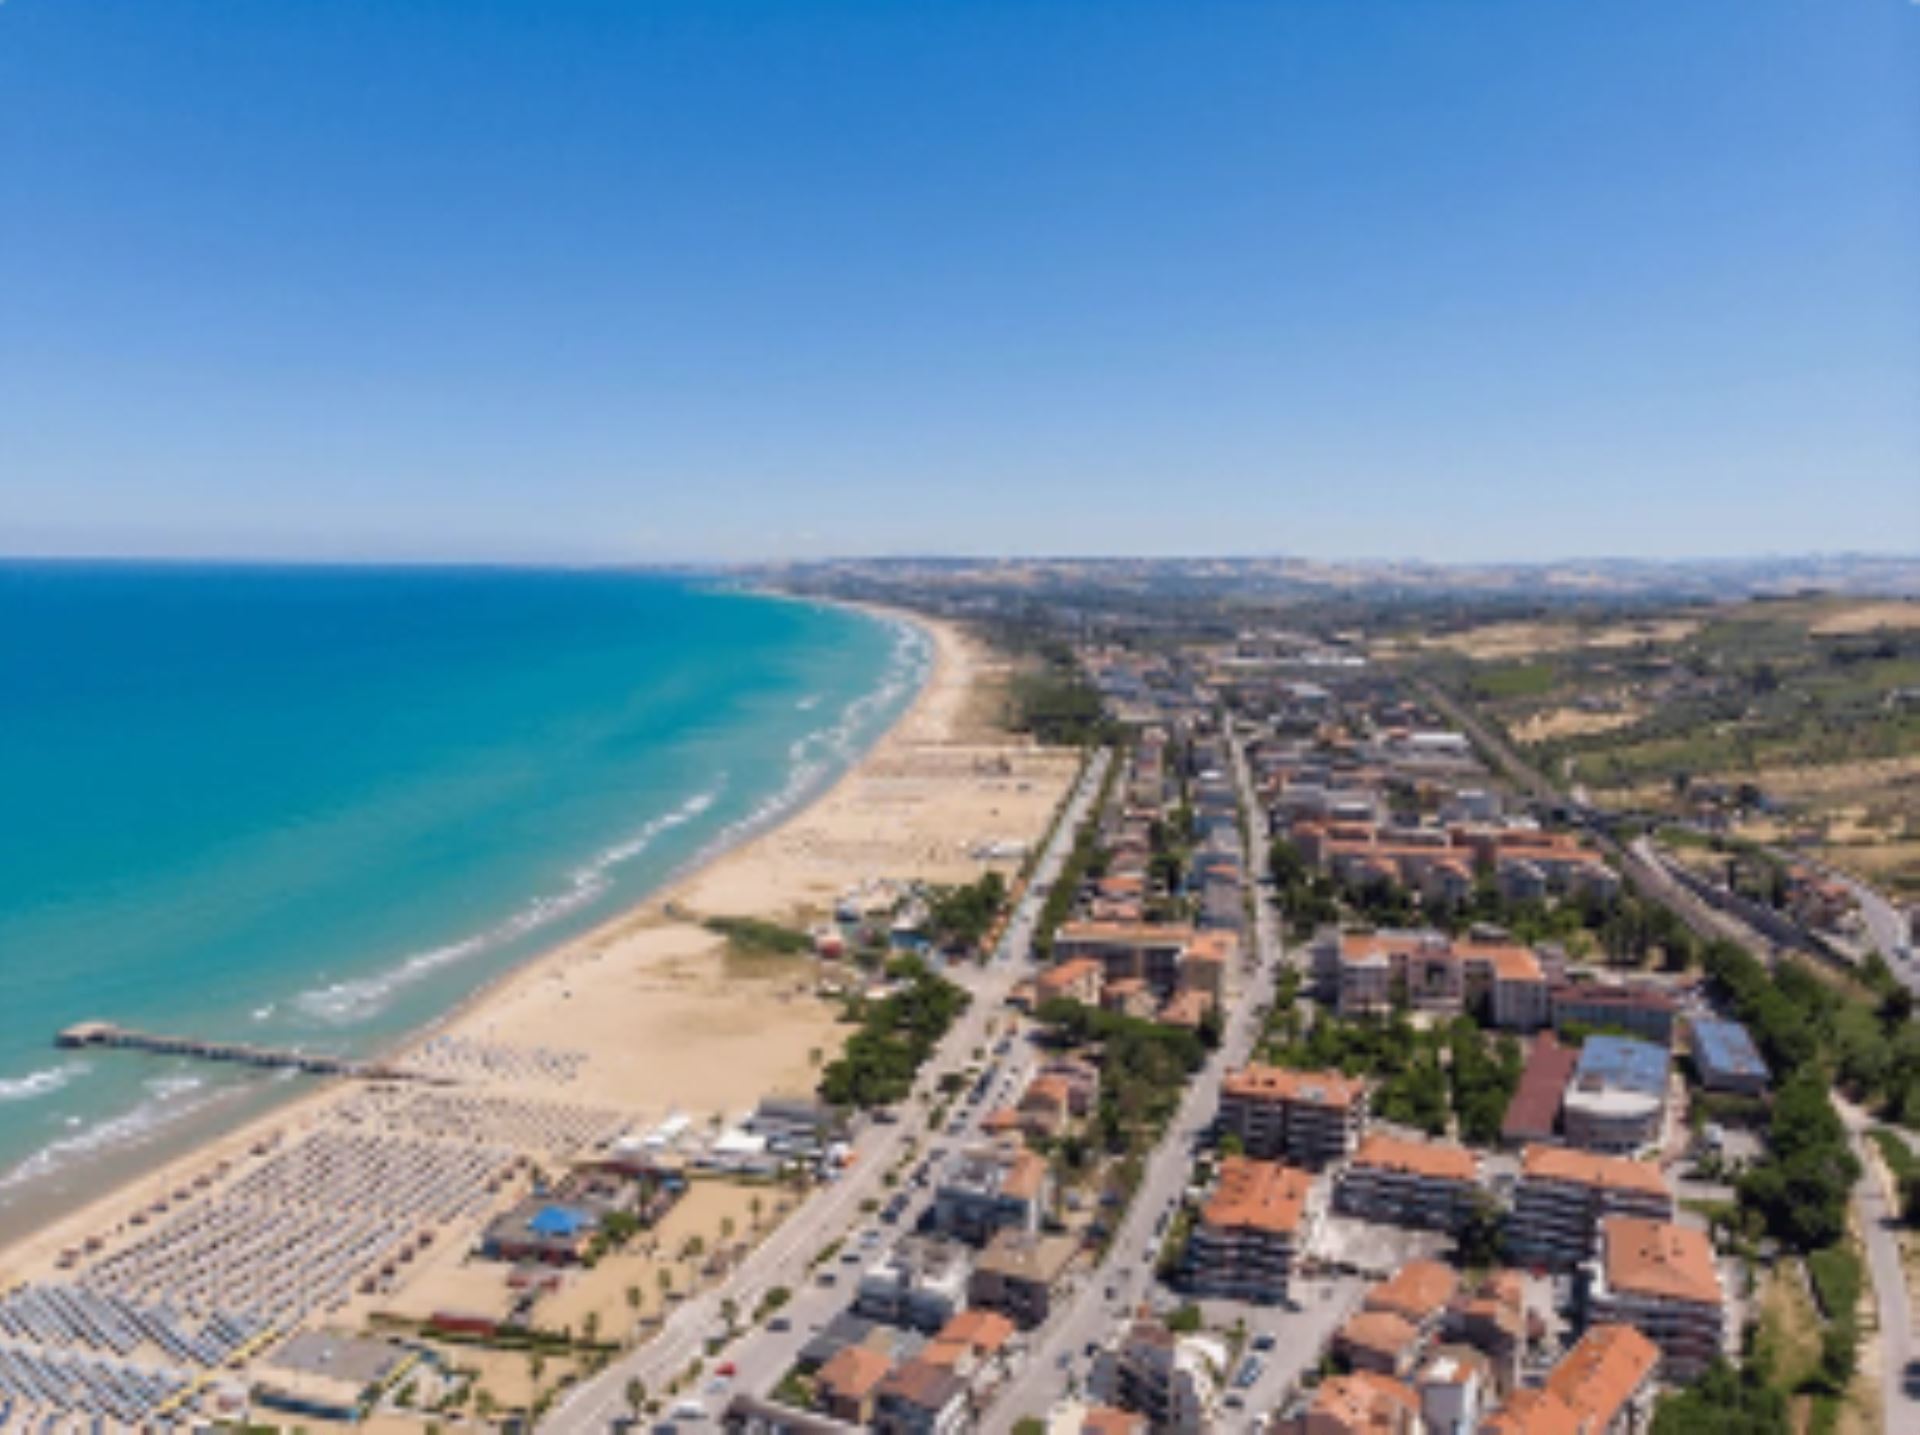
[[921, 1282], [1077, 979], [1661, 1279], [1307, 1118], [1142, 950], [1167, 1379], [921, 1397], [1507, 982], [1454, 1385], [1373, 973], [1603, 1386], [1491, 1317], [1244, 1244], [1408, 1183], [1363, 1403], [1563, 1196], [1378, 1341], [1636, 1010], [848, 1384], [1018, 1273], [1418, 1293], [987, 1189]]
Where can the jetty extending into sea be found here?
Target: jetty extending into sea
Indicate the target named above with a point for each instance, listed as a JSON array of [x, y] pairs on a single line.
[[313, 1063]]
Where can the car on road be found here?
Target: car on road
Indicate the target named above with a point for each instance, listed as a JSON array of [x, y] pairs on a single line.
[[779, 1325], [1249, 1372], [849, 1258], [1264, 1340], [826, 1278], [726, 1368]]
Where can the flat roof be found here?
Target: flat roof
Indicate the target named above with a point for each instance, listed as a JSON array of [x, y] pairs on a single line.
[[1725, 1046], [1622, 1064]]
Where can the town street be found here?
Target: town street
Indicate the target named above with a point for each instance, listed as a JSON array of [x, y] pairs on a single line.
[[1063, 1349], [783, 1258]]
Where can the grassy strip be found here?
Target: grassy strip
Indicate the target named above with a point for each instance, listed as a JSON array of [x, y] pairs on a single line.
[[756, 936], [1837, 1279]]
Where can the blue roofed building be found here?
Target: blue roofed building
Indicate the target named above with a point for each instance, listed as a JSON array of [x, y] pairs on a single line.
[[1617, 1100], [1727, 1059]]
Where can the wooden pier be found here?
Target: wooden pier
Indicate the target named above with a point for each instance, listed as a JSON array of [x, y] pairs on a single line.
[[105, 1033]]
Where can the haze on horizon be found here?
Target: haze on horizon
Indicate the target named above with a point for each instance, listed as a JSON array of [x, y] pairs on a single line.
[[610, 282]]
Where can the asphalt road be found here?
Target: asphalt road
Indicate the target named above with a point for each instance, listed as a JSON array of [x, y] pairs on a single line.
[[1875, 1209], [784, 1257]]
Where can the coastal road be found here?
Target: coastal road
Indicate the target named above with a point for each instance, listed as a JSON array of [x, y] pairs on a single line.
[[1126, 1277], [785, 1256], [1876, 1209]]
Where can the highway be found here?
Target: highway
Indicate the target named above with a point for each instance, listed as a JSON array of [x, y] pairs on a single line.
[[1061, 1357], [785, 1256]]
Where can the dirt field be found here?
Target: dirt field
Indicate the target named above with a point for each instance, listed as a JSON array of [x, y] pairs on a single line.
[[1495, 642], [1572, 722], [1867, 617]]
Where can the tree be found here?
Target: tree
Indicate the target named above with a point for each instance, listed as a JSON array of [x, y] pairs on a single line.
[[636, 1395], [1483, 1234], [1211, 1028], [1186, 1320], [1724, 1402]]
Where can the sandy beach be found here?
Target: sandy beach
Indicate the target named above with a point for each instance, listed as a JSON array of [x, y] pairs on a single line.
[[647, 1015]]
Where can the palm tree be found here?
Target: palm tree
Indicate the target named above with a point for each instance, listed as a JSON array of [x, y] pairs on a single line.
[[726, 1229], [590, 1327], [755, 1208], [665, 1276], [636, 1396]]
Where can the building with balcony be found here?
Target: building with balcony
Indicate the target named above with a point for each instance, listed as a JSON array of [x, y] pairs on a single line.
[[1661, 1279], [1306, 1118], [1408, 1183], [1562, 1197], [1250, 1229], [1168, 1379], [990, 1188]]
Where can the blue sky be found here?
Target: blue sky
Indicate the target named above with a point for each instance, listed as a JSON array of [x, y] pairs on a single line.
[[648, 280]]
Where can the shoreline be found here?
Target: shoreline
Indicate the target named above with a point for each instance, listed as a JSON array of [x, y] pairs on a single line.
[[200, 1136]]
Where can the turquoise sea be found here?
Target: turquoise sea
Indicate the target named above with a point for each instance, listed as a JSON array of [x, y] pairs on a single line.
[[319, 806]]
